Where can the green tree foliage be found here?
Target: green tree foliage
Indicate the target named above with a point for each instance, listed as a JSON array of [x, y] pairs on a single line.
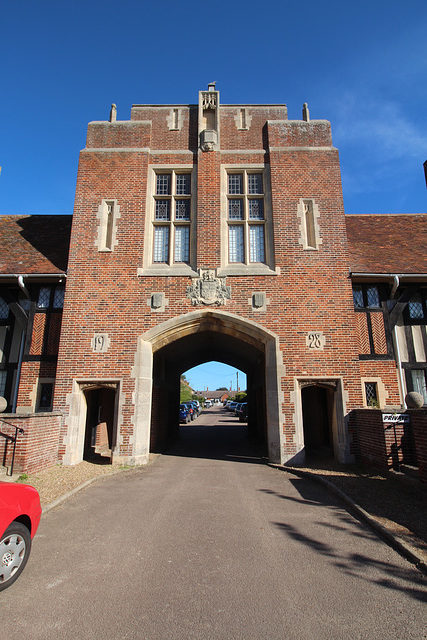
[[185, 391]]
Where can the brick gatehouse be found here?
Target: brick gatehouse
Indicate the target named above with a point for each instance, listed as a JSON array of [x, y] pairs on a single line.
[[208, 232]]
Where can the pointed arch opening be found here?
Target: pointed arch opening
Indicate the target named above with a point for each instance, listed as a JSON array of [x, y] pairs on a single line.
[[184, 342]]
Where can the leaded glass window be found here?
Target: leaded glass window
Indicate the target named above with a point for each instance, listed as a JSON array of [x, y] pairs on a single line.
[[415, 308], [162, 209], [366, 296], [371, 394], [163, 184], [256, 209], [172, 217], [44, 298], [58, 297], [182, 244], [183, 184], [236, 252], [256, 244], [373, 298], [358, 296], [246, 218], [235, 183], [255, 183], [182, 209], [235, 209], [45, 395], [161, 244]]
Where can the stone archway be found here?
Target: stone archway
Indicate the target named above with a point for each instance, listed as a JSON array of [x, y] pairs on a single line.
[[178, 344]]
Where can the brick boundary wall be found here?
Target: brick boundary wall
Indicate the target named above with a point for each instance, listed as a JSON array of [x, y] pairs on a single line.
[[37, 447], [371, 445], [419, 428], [375, 445]]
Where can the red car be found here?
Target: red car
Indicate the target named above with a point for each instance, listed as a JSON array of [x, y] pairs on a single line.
[[20, 513]]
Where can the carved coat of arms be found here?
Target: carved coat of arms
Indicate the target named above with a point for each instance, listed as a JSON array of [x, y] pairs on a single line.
[[208, 289]]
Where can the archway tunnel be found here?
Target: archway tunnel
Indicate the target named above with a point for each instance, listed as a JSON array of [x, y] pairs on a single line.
[[203, 345]]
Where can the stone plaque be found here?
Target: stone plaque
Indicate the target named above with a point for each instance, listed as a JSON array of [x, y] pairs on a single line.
[[208, 289], [100, 342], [315, 340]]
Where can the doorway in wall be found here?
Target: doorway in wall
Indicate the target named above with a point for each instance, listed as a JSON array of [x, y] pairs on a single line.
[[317, 411], [100, 420]]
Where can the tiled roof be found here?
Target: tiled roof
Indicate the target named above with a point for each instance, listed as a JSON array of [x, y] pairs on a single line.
[[34, 244], [388, 243]]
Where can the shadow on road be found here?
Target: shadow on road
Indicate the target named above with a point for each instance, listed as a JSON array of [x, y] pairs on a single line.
[[219, 442], [356, 565]]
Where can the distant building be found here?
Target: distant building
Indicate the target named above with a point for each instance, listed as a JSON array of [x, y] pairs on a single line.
[[203, 232]]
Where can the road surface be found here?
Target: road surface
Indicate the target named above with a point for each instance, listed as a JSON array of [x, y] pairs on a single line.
[[209, 543]]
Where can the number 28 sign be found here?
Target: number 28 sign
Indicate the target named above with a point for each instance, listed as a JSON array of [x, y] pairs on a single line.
[[315, 340]]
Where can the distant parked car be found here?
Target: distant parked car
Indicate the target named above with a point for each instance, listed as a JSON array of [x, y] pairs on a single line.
[[208, 403], [231, 406], [243, 412], [191, 409], [20, 513], [184, 413]]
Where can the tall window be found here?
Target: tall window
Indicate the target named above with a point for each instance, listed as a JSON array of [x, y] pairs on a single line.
[[245, 217], [172, 217]]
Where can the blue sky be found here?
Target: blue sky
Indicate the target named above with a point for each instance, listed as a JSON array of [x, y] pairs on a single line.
[[214, 375], [362, 65]]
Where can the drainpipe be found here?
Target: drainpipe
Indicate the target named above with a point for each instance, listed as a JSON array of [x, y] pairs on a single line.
[[396, 342], [21, 349]]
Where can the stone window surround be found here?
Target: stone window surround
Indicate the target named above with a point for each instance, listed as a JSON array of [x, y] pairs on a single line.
[[303, 239], [243, 119], [228, 268], [381, 390], [102, 215], [36, 391], [150, 268], [175, 119]]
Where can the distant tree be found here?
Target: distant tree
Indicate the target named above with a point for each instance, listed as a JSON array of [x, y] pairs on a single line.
[[185, 391], [222, 389]]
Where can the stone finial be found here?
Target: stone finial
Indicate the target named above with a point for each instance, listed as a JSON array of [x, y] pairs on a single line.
[[414, 400], [113, 113], [211, 86], [305, 113]]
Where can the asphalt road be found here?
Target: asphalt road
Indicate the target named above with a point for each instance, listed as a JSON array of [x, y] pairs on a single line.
[[209, 543]]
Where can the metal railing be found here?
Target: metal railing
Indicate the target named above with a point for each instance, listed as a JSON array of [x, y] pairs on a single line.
[[13, 439]]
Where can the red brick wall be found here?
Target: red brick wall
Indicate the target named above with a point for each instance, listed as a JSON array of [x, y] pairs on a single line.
[[376, 444], [37, 447]]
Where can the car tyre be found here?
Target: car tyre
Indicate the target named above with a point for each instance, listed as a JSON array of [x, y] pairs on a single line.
[[15, 547]]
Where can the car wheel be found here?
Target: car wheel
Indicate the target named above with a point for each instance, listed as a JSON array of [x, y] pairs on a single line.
[[15, 547]]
